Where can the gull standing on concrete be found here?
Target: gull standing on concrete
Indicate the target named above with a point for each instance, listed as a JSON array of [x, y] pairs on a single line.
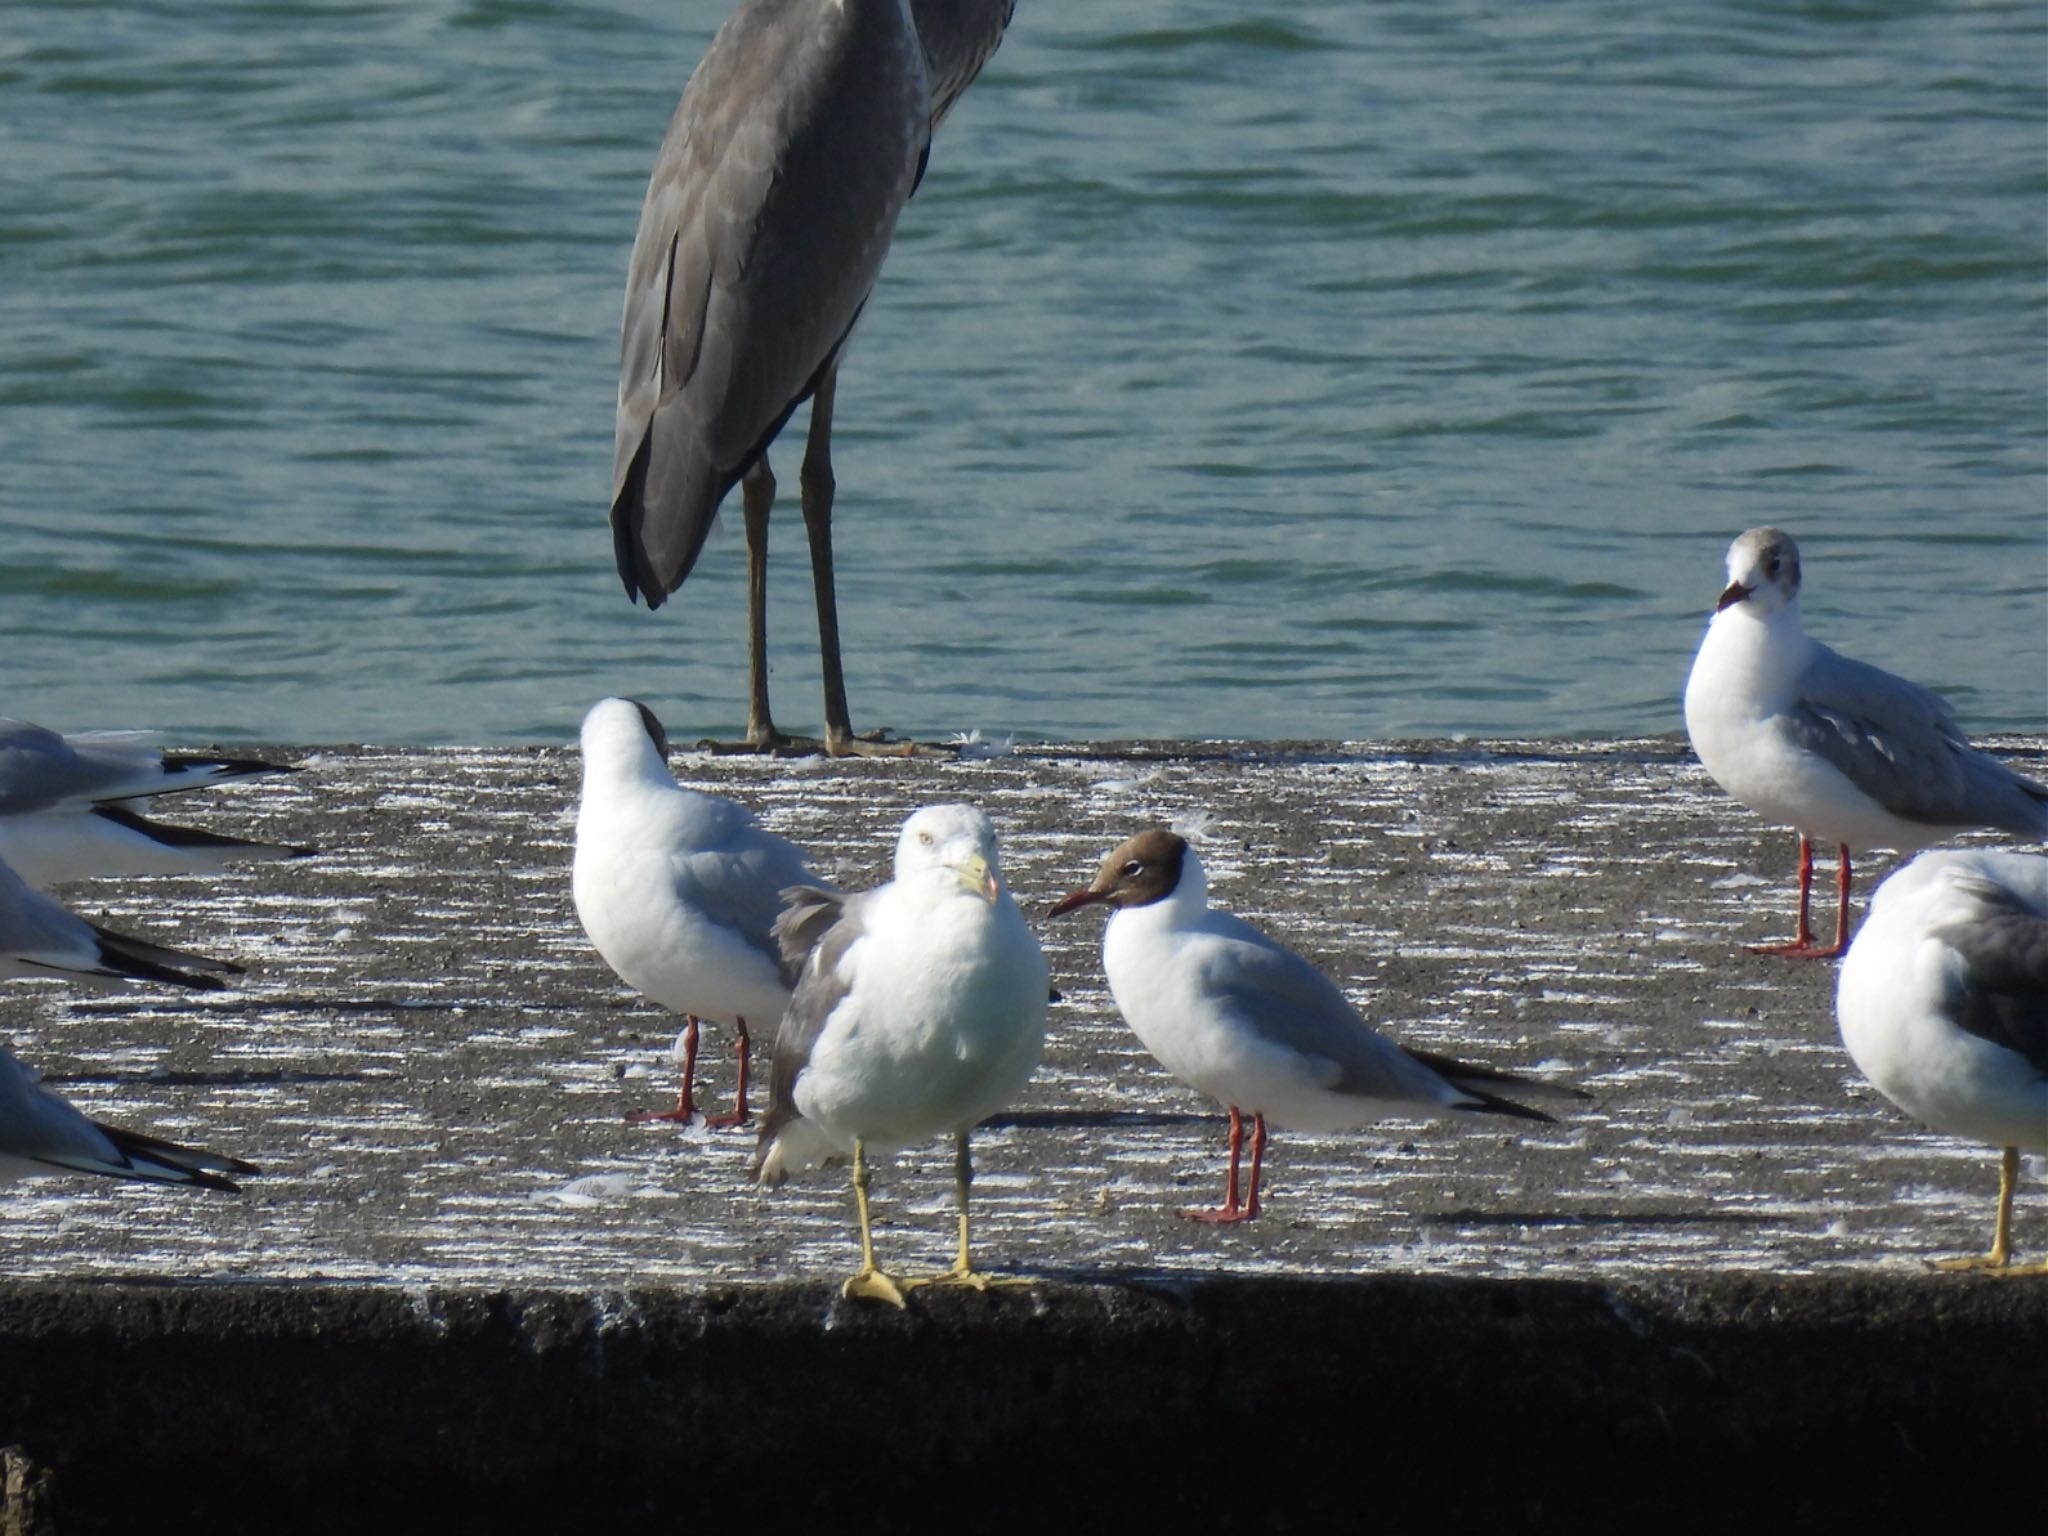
[[42, 1134], [679, 890], [1252, 1024], [799, 139], [920, 1009], [1943, 1005], [71, 807], [40, 938], [1834, 748]]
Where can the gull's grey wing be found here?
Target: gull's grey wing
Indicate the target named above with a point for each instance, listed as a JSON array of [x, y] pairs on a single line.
[[1287, 1000], [2003, 993], [40, 769], [38, 937], [1901, 745], [41, 1130], [815, 931], [737, 873], [959, 36], [772, 204]]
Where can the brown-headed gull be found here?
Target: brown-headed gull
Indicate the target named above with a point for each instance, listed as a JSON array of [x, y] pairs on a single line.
[[1833, 748], [40, 938], [1943, 1005], [920, 1010], [1249, 1022], [71, 807], [42, 1135], [679, 891]]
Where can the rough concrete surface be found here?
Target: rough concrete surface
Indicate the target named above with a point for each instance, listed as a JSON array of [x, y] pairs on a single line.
[[432, 1068]]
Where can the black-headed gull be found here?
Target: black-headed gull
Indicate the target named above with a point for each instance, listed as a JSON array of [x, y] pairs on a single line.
[[1943, 1005], [1836, 749], [920, 1010], [1249, 1022], [42, 1134], [71, 807], [40, 938], [679, 890]]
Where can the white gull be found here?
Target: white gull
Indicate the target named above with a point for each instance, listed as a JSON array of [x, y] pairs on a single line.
[[1834, 748], [42, 1134], [679, 890], [920, 1010], [1943, 1005], [1249, 1022], [72, 807]]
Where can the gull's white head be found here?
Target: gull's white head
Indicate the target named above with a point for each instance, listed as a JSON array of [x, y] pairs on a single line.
[[951, 842], [1763, 572], [620, 733]]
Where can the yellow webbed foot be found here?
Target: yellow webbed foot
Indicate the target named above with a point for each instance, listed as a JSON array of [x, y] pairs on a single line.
[[972, 1278], [874, 1285], [1994, 1260]]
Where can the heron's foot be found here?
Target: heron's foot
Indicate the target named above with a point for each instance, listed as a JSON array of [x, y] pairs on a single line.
[[885, 743], [974, 1279], [1222, 1215], [1800, 949], [727, 1120], [873, 1284]]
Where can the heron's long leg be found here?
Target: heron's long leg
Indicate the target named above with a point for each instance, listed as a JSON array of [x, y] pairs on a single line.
[[818, 485], [869, 1283], [757, 493]]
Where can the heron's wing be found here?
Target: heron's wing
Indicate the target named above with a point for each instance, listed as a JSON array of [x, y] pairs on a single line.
[[771, 207], [959, 36], [1901, 745], [2003, 944]]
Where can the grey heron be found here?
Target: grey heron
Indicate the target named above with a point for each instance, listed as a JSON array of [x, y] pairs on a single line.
[[798, 140]]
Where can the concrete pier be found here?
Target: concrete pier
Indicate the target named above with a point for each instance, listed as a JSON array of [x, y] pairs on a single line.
[[462, 1275]]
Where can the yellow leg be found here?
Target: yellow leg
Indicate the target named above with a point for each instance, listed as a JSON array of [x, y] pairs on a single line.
[[963, 1272], [2000, 1256], [870, 1283]]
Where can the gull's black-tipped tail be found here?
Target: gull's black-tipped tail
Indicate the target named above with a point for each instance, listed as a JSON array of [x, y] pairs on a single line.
[[139, 960], [1488, 1086]]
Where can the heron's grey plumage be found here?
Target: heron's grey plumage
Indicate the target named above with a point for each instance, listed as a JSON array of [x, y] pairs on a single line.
[[1902, 745], [773, 201], [798, 140]]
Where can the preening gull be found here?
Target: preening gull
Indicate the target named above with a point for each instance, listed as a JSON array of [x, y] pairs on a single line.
[[1252, 1024], [798, 140], [1836, 749], [40, 938], [72, 807], [679, 890], [42, 1134], [920, 1009], [1943, 1005]]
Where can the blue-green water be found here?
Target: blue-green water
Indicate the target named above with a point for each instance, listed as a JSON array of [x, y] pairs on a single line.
[[1330, 369]]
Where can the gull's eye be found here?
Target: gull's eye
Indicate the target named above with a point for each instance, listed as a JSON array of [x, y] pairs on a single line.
[[1135, 867], [925, 838]]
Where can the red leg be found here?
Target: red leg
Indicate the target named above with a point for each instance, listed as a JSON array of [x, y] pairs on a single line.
[[1251, 1199], [685, 1105], [743, 1048], [1802, 945], [1230, 1210]]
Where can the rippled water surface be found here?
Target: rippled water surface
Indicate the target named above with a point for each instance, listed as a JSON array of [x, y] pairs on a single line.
[[1344, 369]]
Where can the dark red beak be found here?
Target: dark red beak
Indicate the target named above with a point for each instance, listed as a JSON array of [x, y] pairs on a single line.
[[1074, 900], [1736, 593]]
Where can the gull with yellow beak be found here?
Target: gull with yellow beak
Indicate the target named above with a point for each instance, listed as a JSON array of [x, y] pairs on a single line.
[[919, 1009]]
